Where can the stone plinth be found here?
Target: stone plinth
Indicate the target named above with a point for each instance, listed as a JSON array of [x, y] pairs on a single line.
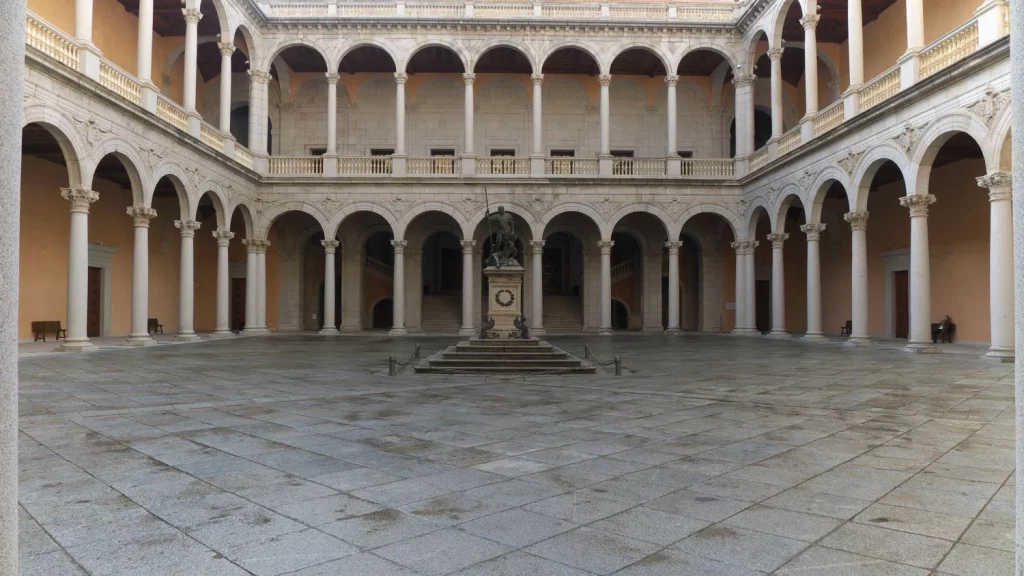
[[504, 297]]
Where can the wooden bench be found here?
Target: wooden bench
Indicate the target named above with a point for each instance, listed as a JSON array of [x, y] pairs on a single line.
[[846, 330], [155, 327], [42, 327]]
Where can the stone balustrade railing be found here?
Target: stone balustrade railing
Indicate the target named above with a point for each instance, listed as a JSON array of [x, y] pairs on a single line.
[[505, 165], [562, 166], [708, 168], [379, 268], [50, 41], [623, 270], [759, 159], [949, 49], [880, 89], [244, 156], [789, 141], [171, 113], [296, 165], [433, 166], [365, 165], [211, 136], [829, 118], [120, 82], [681, 10], [638, 167]]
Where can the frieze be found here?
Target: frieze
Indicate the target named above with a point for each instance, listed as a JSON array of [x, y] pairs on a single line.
[[606, 206], [988, 107], [849, 162], [908, 137]]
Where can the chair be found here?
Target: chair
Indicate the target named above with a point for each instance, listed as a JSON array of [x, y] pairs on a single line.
[[846, 330], [155, 327]]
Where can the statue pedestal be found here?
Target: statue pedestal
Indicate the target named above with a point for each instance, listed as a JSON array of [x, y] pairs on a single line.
[[504, 297]]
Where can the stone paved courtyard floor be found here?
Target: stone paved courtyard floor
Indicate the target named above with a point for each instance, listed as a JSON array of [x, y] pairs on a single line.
[[710, 456]]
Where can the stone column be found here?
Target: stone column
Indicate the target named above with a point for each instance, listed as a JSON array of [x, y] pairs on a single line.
[[1017, 133], [400, 79], [83, 21], [536, 320], [251, 280], [332, 114], [605, 328], [605, 81], [227, 49], [859, 278], [855, 42], [261, 286], [222, 329], [144, 56], [749, 282], [79, 200], [810, 23], [740, 323], [192, 18], [139, 336], [920, 273], [673, 285], [778, 286], [813, 232], [1000, 266], [467, 288], [330, 325], [915, 31], [468, 112], [775, 56], [744, 84], [671, 148], [88, 54], [186, 283], [258, 82], [398, 289], [538, 117], [12, 69]]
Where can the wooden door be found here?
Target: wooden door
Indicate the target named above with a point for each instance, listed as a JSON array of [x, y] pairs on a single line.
[[901, 303], [763, 303], [237, 303], [92, 316]]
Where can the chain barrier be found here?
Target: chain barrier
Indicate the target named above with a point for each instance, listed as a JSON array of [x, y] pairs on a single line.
[[394, 366], [616, 361]]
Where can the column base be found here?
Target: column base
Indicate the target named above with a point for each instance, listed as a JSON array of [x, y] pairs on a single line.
[[814, 337], [1000, 354], [779, 334], [540, 331], [76, 346], [399, 331], [222, 334], [254, 331], [673, 330], [858, 342], [745, 332], [139, 340], [605, 332], [325, 331], [921, 348], [468, 331], [187, 337], [350, 329]]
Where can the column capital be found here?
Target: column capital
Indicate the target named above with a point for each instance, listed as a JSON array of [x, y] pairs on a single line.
[[857, 220], [775, 54], [744, 247], [467, 246], [332, 78], [777, 239], [813, 231], [606, 246], [401, 78], [400, 246], [671, 80], [192, 15], [743, 80], [998, 184], [918, 204], [260, 77], [604, 79], [79, 198], [537, 79], [223, 237], [468, 78], [330, 246], [141, 215], [226, 48], [256, 246], [536, 247], [673, 247], [188, 227], [810, 21]]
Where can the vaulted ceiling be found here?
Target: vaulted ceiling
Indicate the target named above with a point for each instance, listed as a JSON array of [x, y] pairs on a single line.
[[834, 24], [168, 20]]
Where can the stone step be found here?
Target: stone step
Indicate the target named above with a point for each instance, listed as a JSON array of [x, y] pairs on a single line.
[[582, 369], [504, 356], [457, 355], [467, 347], [507, 342]]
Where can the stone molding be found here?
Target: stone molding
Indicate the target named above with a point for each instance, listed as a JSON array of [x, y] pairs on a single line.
[[606, 246], [813, 231], [673, 247], [537, 79], [79, 198], [857, 220], [330, 246], [671, 80], [536, 247], [226, 48], [332, 78], [775, 54], [256, 246], [918, 204], [223, 237], [188, 227], [778, 239], [604, 79], [401, 78], [467, 246], [998, 185], [141, 215], [468, 78], [260, 77], [744, 80], [810, 21], [744, 247], [399, 246], [192, 15]]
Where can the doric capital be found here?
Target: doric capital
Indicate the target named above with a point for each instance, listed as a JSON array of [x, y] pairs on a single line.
[[810, 21], [223, 237], [188, 227], [538, 79], [468, 78], [604, 79], [226, 48], [777, 239], [606, 246], [813, 231], [918, 204], [671, 80], [673, 247], [79, 198], [332, 77], [259, 76], [998, 184], [255, 246], [775, 54], [399, 246], [330, 246], [401, 78], [743, 80], [536, 247], [467, 246], [192, 15], [857, 220], [141, 215]]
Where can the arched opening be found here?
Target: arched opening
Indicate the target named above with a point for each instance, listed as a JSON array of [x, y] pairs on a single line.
[[835, 248], [366, 265], [434, 265], [831, 40], [483, 241], [382, 314], [379, 275], [707, 274], [794, 258], [366, 102], [240, 127], [760, 228], [301, 129], [569, 263], [503, 125], [705, 104], [171, 203], [627, 260], [620, 315], [240, 225], [295, 269], [637, 105], [570, 89], [638, 262], [888, 247], [209, 214], [762, 131]]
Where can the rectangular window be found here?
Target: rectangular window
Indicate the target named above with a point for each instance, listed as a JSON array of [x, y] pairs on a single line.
[[382, 151], [503, 152], [685, 153], [563, 153], [317, 151], [443, 161], [621, 166]]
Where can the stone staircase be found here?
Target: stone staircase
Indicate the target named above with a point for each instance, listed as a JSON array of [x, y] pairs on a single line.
[[441, 314], [563, 314], [531, 356]]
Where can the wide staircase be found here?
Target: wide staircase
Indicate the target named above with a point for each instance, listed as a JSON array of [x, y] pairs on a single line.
[[441, 313], [504, 357], [563, 314]]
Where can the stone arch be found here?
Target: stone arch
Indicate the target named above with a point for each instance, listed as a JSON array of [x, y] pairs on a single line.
[[588, 49], [779, 20], [336, 220], [655, 50], [285, 44], [860, 184], [932, 141], [504, 43], [789, 194], [364, 43], [540, 226], [427, 207], [179, 52], [735, 223], [730, 59], [821, 187], [251, 47], [1000, 148], [478, 219], [750, 56], [266, 220], [222, 13], [454, 48], [750, 224], [177, 177], [666, 221], [220, 214], [245, 210], [127, 153], [66, 136]]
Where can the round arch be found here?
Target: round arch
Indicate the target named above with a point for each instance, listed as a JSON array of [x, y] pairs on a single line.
[[667, 222], [638, 45], [282, 45], [932, 141], [251, 46], [866, 170], [127, 154], [750, 222], [479, 221], [750, 53], [540, 227], [779, 19], [267, 220], [219, 214], [174, 175], [222, 13], [730, 59], [243, 208], [503, 43], [438, 43], [828, 176], [66, 136], [361, 43], [336, 220], [432, 207], [786, 199], [735, 223], [587, 49]]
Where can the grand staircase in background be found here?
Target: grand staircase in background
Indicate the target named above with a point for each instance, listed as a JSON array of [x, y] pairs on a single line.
[[563, 314], [441, 313]]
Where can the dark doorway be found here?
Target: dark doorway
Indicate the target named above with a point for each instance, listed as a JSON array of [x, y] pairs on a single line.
[[237, 303], [620, 316], [383, 314], [762, 131], [901, 303], [763, 302], [92, 315]]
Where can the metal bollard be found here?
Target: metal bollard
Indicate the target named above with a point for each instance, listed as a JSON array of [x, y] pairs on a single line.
[[392, 366], [416, 352], [618, 366]]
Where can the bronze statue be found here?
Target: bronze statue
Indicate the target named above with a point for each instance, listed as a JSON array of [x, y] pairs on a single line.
[[503, 244]]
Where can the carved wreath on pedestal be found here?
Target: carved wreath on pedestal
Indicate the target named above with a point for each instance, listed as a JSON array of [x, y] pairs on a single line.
[[504, 298]]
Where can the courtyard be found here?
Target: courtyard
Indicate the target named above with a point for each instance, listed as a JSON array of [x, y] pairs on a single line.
[[709, 456]]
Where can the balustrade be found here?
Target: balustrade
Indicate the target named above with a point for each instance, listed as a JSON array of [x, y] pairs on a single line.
[[367, 9], [120, 82], [382, 269], [829, 118], [297, 165], [434, 165], [639, 11], [298, 9], [880, 89], [364, 165], [211, 136], [949, 49], [435, 10], [638, 167], [51, 41], [243, 156], [503, 10], [171, 113], [759, 159], [790, 141], [503, 165], [708, 168], [562, 166]]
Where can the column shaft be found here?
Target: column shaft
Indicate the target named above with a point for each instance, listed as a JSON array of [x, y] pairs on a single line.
[[468, 113], [915, 27], [778, 285], [330, 280], [1000, 268], [192, 17], [605, 80], [251, 280], [744, 110], [223, 323], [671, 148], [775, 57], [673, 285], [538, 117], [813, 232], [78, 269], [83, 20], [810, 63], [859, 278], [605, 329], [144, 54], [536, 322], [261, 290], [400, 79], [332, 114], [749, 280], [226, 50], [467, 288], [186, 282], [140, 277], [398, 289], [740, 313], [855, 42], [920, 273]]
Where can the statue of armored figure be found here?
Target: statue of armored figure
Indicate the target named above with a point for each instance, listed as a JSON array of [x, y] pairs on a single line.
[[503, 244]]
